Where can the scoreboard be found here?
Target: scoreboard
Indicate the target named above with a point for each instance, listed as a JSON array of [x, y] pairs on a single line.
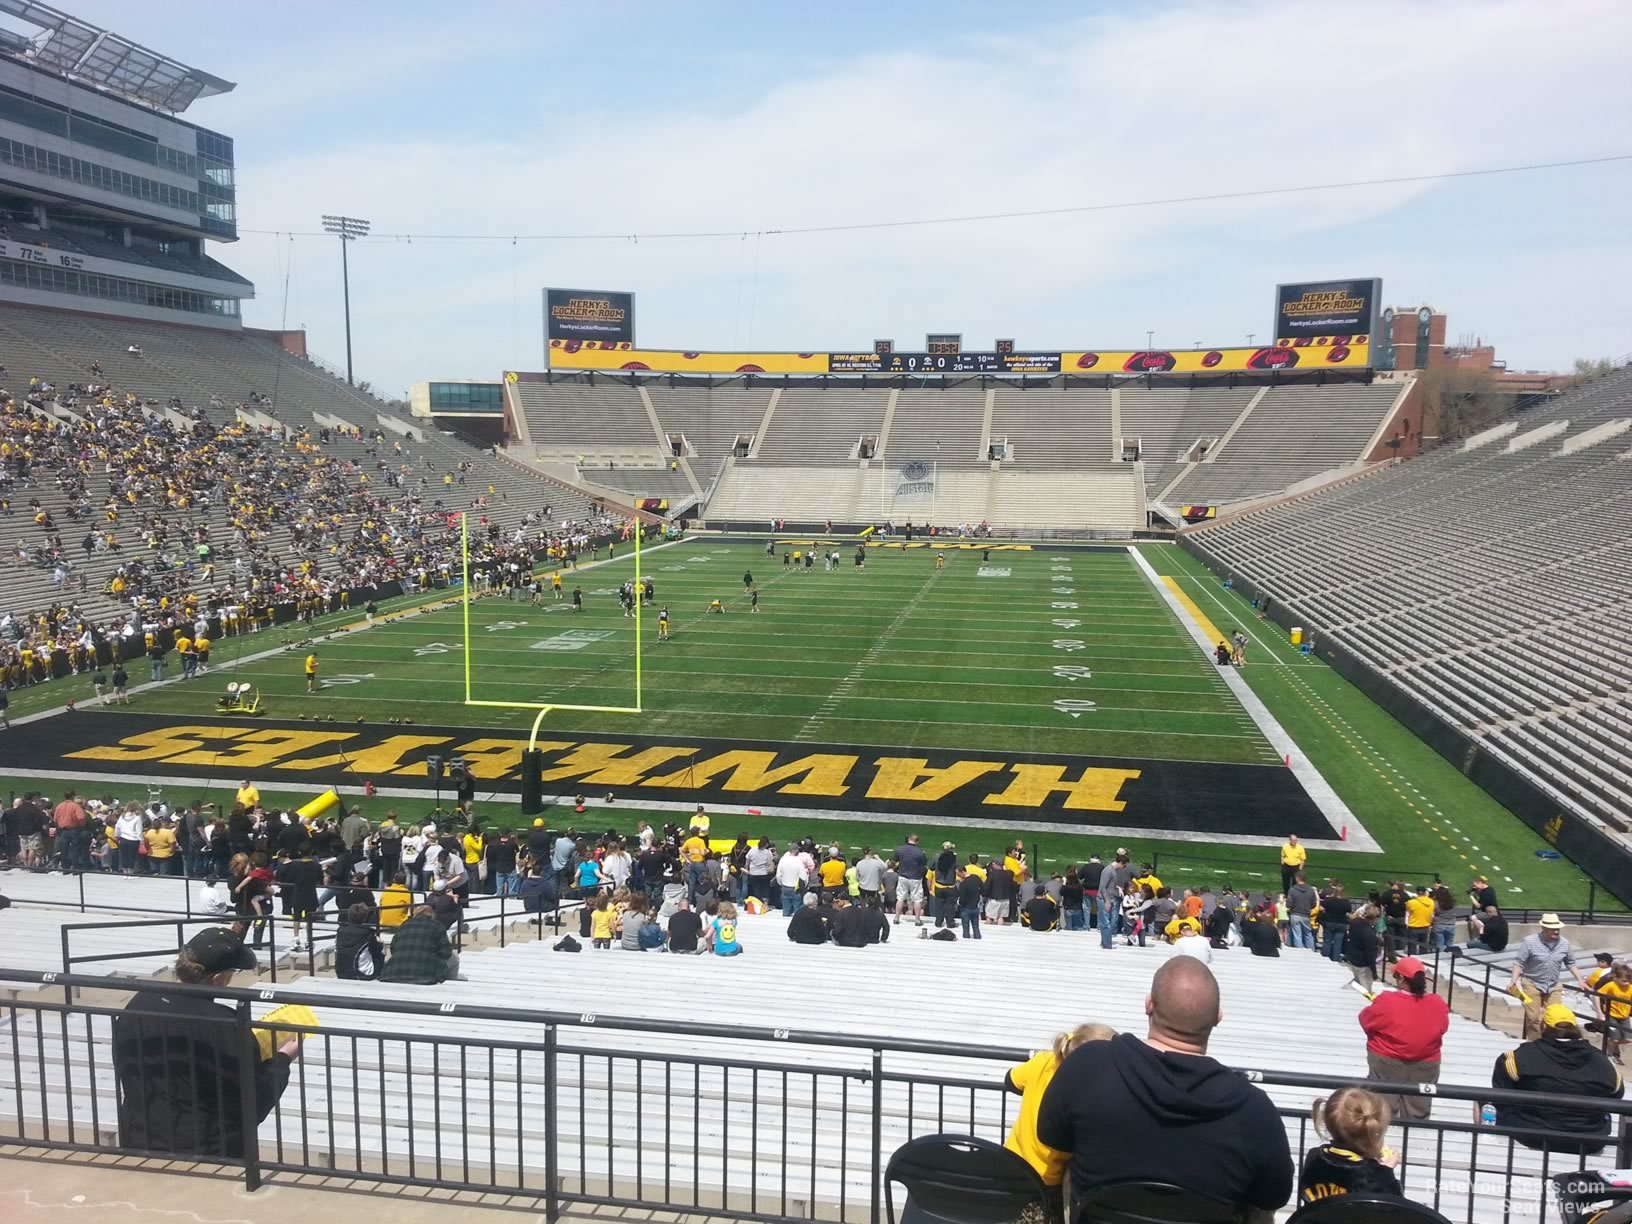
[[944, 363]]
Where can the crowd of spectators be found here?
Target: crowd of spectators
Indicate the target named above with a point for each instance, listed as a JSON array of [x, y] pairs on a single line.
[[398, 893], [217, 530]]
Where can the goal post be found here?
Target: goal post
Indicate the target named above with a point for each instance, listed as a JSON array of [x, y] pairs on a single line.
[[543, 707]]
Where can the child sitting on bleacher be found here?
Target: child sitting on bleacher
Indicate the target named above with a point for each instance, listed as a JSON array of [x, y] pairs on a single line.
[[1031, 1079], [1353, 1160]]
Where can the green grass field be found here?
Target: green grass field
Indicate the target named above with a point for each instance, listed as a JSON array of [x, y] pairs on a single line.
[[901, 655]]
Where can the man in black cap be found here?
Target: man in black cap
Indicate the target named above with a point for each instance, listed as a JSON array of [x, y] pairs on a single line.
[[180, 1058]]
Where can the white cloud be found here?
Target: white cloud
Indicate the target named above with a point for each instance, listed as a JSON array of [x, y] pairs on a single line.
[[1161, 102]]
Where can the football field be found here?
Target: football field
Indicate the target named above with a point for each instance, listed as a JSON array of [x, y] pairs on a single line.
[[1031, 651], [1029, 689]]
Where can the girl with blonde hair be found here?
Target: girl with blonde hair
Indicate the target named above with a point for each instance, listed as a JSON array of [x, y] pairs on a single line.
[[1031, 1079], [1354, 1159]]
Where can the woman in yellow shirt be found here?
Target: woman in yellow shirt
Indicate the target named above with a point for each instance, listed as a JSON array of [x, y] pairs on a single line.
[[474, 843], [1031, 1079], [161, 850]]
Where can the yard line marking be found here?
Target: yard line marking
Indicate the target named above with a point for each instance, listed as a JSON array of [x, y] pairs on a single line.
[[813, 724]]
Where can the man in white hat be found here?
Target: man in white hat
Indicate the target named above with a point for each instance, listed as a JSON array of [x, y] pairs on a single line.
[[1538, 971]]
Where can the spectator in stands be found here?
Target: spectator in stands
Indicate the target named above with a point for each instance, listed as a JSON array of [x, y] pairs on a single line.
[[1002, 891], [1442, 934], [1259, 932], [1419, 920], [1404, 1030], [178, 1059], [945, 885], [1220, 924], [722, 931], [790, 878], [685, 927], [538, 890], [501, 865], [1041, 913], [856, 926], [969, 901], [911, 866], [870, 878], [1615, 1006], [758, 865], [358, 952], [1489, 930], [1481, 894], [808, 925], [1354, 1159], [1538, 971], [420, 952], [1301, 900], [69, 818], [395, 902], [1030, 1080], [1122, 1109], [1361, 947], [1334, 920], [1561, 1063], [1190, 942], [1113, 880], [1293, 860], [1073, 898]]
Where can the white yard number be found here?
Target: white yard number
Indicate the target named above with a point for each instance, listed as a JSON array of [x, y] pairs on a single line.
[[1064, 605], [1073, 706], [1065, 622], [1065, 590], [434, 648], [336, 681], [572, 639], [497, 626], [1072, 671], [1069, 643]]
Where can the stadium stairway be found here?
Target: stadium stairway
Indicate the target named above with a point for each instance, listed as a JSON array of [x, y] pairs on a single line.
[[783, 1105]]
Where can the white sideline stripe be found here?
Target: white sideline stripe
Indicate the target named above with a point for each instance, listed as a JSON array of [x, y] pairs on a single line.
[[1069, 828], [239, 660], [1337, 812]]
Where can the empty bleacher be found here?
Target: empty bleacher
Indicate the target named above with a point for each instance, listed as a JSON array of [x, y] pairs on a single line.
[[1054, 427], [1489, 581], [1291, 433], [711, 419], [821, 426], [599, 421], [930, 421]]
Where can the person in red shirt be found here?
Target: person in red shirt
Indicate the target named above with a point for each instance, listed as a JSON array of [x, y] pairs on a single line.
[[69, 818], [1404, 1029]]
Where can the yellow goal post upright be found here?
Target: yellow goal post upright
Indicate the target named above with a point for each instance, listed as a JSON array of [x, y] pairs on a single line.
[[530, 760]]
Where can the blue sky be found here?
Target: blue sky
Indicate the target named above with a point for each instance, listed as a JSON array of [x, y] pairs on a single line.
[[625, 118]]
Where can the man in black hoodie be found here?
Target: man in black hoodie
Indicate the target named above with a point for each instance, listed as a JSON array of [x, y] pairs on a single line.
[[856, 926], [1561, 1063], [809, 925], [1122, 1108]]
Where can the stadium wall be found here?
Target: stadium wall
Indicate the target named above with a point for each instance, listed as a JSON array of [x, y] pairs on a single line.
[[1595, 850]]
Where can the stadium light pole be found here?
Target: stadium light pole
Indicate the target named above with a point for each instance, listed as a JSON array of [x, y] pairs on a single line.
[[347, 229], [1150, 339]]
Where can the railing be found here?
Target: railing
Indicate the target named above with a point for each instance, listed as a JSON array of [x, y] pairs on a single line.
[[566, 1109], [322, 928], [1270, 869]]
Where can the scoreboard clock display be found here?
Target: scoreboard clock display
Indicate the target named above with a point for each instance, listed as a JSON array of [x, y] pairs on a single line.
[[942, 343]]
